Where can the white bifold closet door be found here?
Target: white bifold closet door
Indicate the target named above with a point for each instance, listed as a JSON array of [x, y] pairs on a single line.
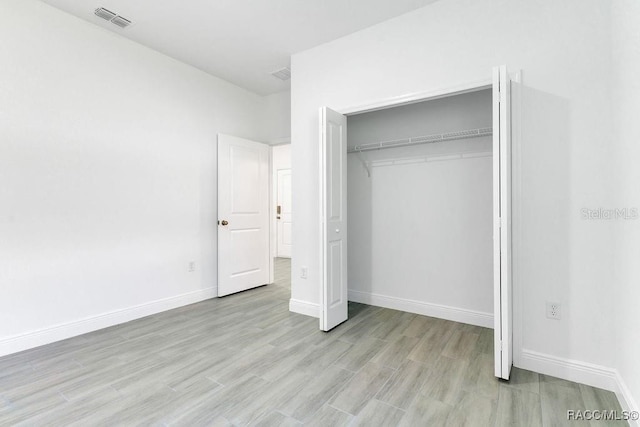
[[333, 176], [502, 275]]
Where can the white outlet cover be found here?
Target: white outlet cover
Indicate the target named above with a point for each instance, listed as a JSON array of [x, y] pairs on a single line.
[[554, 310]]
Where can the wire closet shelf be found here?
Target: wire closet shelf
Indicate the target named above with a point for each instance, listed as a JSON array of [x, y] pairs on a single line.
[[426, 139]]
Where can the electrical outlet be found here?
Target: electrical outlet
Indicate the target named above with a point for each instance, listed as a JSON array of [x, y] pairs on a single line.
[[553, 310], [303, 272], [192, 266]]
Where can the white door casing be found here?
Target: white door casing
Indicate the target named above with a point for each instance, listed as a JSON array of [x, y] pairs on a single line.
[[333, 205], [283, 213], [243, 214], [502, 235]]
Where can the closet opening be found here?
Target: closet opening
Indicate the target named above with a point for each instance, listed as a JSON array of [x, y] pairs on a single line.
[[419, 208]]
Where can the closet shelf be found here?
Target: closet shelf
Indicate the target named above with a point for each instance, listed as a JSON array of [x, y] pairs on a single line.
[[426, 139]]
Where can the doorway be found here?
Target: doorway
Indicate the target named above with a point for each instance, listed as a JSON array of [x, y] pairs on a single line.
[[254, 214], [282, 214], [281, 168]]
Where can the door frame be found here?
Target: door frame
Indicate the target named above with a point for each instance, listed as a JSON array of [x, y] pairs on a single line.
[[446, 91]]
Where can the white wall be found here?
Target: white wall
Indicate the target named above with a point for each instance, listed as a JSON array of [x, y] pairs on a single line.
[[420, 233], [107, 165], [626, 138], [563, 136], [281, 157], [277, 118]]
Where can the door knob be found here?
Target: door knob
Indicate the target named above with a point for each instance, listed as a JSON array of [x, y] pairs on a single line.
[[224, 222]]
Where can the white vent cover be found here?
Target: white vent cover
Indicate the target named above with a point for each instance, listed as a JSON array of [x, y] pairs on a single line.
[[283, 74], [114, 18], [105, 14], [121, 22]]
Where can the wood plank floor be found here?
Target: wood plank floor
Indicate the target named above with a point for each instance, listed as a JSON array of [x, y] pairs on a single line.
[[246, 360]]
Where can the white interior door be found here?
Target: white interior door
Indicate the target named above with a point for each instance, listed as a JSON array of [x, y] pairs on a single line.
[[244, 259], [333, 178], [283, 213], [502, 277]]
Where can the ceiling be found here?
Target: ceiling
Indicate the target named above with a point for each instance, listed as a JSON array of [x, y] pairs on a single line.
[[241, 41]]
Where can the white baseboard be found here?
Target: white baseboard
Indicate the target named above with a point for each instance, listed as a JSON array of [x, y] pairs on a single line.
[[571, 370], [303, 307], [63, 331], [455, 314], [626, 400], [581, 372]]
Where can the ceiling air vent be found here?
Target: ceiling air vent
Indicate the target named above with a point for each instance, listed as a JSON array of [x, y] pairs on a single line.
[[283, 74], [105, 14], [114, 18], [121, 22]]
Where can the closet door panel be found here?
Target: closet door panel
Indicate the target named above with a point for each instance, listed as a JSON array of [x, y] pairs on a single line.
[[333, 298], [503, 304]]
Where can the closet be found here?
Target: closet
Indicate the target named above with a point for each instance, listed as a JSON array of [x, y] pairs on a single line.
[[420, 208]]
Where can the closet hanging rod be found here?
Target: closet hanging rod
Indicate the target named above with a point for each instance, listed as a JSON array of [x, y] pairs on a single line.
[[426, 139]]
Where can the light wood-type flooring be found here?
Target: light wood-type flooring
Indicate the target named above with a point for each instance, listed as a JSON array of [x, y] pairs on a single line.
[[246, 360]]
